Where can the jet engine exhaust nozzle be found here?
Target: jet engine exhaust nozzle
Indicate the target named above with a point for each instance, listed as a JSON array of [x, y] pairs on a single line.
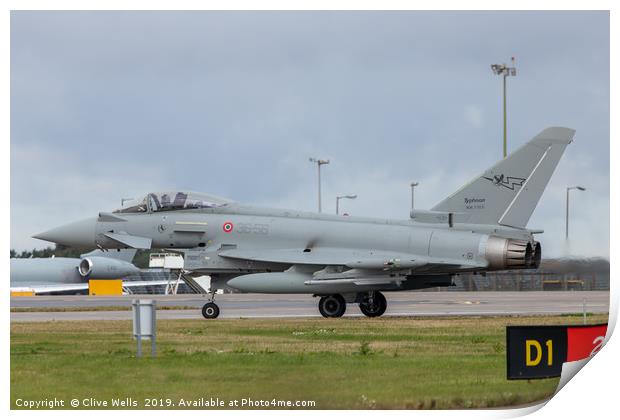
[[537, 255], [509, 254]]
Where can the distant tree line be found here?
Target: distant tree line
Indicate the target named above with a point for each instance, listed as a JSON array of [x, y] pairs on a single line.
[[58, 251]]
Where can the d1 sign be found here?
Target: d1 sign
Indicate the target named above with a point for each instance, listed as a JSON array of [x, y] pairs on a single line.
[[535, 352]]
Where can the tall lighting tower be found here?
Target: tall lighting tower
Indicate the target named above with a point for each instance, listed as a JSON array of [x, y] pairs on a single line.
[[340, 197], [319, 162], [413, 185], [505, 71], [576, 187]]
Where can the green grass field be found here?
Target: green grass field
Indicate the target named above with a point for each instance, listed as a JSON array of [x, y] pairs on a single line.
[[338, 363]]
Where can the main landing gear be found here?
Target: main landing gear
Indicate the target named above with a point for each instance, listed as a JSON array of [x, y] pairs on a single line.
[[332, 306], [210, 310], [372, 304]]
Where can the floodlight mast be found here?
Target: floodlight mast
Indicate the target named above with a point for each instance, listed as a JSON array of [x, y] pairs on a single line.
[[413, 185], [319, 162], [340, 197], [576, 187], [504, 70]]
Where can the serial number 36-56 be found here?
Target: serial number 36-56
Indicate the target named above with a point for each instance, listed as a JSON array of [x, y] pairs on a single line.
[[256, 228]]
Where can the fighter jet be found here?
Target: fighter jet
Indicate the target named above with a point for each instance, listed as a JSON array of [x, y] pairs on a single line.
[[341, 259], [65, 275]]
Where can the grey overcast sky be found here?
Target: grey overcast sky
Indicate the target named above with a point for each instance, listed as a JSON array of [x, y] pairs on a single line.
[[106, 105]]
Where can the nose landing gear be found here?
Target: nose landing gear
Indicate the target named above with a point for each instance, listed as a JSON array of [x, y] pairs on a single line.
[[210, 310]]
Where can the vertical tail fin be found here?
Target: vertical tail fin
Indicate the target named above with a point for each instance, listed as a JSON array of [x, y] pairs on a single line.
[[509, 191]]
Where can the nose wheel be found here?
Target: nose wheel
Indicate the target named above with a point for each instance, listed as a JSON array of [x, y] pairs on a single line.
[[332, 306], [373, 305], [210, 310]]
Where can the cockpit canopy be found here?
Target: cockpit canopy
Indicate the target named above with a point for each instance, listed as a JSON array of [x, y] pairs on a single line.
[[168, 201]]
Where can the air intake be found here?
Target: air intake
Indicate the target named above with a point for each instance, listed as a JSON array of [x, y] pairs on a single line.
[[85, 267]]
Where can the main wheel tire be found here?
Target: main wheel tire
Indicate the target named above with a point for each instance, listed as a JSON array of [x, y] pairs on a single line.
[[332, 306], [376, 308], [210, 310]]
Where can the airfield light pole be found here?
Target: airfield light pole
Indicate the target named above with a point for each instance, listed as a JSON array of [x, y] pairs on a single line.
[[319, 162], [413, 185], [504, 70], [567, 195], [339, 197]]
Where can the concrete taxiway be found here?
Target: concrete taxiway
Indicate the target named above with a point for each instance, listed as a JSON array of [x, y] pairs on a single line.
[[274, 306]]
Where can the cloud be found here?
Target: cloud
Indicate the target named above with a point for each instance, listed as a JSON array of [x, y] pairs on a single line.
[[474, 116], [106, 105]]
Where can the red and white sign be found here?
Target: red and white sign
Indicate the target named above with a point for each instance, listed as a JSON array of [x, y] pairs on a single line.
[[584, 342], [228, 227]]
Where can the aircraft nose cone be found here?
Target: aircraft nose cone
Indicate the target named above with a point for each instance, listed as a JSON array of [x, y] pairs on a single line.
[[81, 233]]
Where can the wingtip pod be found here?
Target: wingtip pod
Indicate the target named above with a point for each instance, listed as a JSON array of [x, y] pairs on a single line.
[[562, 135]]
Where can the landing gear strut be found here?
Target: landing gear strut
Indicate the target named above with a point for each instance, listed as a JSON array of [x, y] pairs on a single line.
[[373, 304], [210, 310], [332, 306]]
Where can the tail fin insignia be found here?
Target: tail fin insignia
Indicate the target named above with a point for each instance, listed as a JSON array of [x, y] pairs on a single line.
[[509, 182]]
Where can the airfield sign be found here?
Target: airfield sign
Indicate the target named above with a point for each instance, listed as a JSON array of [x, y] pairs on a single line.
[[536, 352]]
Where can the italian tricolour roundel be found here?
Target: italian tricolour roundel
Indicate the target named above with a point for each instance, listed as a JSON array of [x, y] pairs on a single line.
[[228, 227]]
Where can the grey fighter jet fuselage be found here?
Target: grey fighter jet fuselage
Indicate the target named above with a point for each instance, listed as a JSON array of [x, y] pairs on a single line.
[[481, 227]]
